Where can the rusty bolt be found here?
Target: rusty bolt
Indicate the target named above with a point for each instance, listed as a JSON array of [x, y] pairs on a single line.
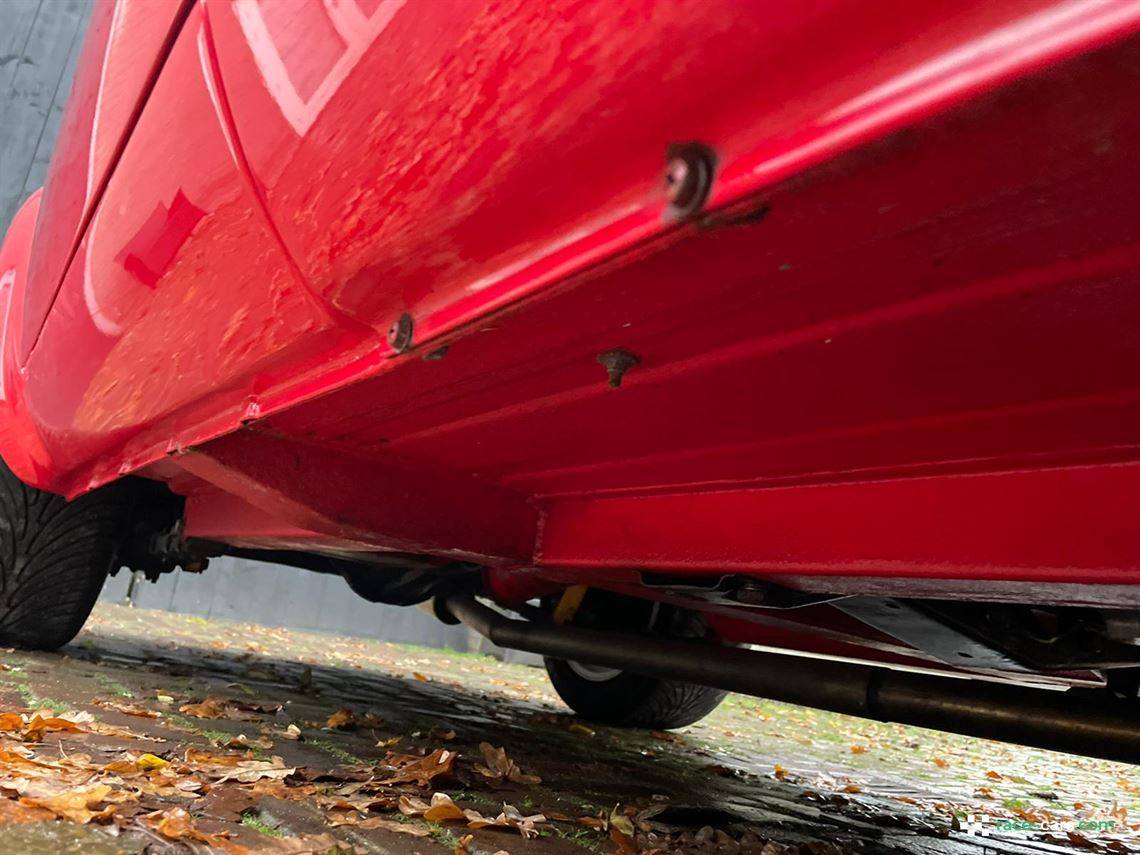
[[616, 363], [400, 335]]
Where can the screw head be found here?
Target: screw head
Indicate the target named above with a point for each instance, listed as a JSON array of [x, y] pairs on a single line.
[[677, 176], [400, 334], [689, 171]]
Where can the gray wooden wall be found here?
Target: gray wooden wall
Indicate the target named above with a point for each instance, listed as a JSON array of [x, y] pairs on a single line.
[[39, 44]]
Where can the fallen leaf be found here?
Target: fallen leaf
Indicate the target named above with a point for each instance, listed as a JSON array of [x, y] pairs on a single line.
[[993, 776], [146, 762], [621, 822], [510, 817], [499, 767], [11, 721], [137, 710], [216, 706], [13, 812], [624, 842], [393, 825], [442, 808], [1078, 839], [940, 763], [177, 824], [858, 749], [461, 845], [76, 805], [248, 771], [420, 770]]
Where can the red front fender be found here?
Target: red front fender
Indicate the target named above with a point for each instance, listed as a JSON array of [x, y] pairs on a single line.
[[21, 446]]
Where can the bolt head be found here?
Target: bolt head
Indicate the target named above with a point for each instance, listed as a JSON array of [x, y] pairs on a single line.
[[689, 169], [400, 334], [677, 175]]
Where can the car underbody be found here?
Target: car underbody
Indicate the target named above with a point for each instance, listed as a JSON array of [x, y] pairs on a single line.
[[845, 370]]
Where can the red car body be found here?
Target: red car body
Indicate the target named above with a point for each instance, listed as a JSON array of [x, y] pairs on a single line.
[[384, 275]]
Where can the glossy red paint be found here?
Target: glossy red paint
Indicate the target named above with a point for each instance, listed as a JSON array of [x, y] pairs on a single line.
[[901, 339], [180, 303], [126, 45]]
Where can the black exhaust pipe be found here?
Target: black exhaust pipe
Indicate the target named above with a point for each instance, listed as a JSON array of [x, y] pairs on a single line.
[[1092, 722]]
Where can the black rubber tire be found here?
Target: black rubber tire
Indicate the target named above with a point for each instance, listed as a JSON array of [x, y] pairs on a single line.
[[634, 700], [631, 700], [54, 558]]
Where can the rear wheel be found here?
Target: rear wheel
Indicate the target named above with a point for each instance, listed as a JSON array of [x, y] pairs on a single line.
[[54, 558], [613, 696]]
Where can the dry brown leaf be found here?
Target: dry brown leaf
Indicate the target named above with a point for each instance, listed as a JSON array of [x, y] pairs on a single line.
[[137, 710], [623, 841], [509, 818], [994, 776], [940, 763], [499, 767], [411, 806], [11, 721], [177, 824], [858, 749], [420, 770], [442, 808], [75, 805], [243, 741], [393, 825], [461, 845], [101, 729], [211, 707], [248, 771], [346, 719], [1079, 840], [13, 812], [198, 757]]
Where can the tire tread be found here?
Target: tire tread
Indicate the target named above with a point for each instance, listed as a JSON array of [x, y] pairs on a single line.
[[56, 559]]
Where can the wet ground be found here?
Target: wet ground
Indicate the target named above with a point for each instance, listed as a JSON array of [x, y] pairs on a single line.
[[156, 732]]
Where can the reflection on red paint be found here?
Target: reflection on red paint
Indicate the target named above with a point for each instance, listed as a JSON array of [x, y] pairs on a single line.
[[156, 244]]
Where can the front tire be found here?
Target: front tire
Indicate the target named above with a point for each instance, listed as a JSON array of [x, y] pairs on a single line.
[[54, 558]]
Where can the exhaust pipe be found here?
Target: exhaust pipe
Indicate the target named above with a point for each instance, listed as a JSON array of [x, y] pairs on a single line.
[[1092, 722]]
